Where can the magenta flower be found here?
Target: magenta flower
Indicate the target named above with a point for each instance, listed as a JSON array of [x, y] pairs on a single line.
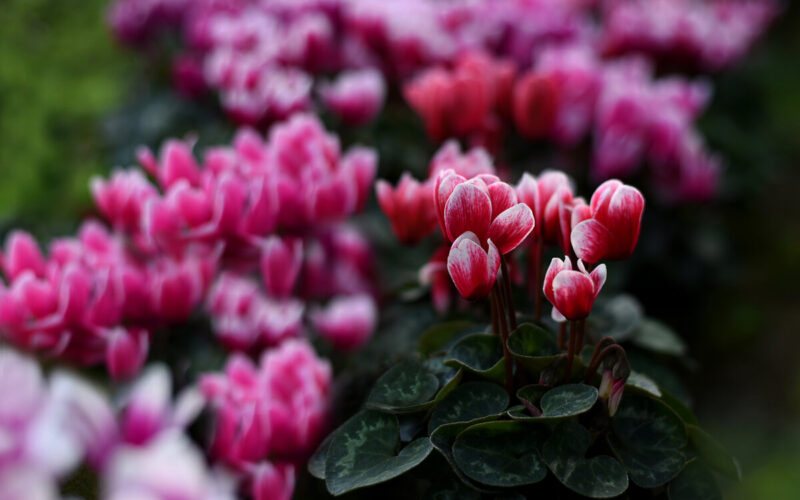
[[346, 322], [408, 207], [355, 96], [613, 229], [473, 269], [572, 292]]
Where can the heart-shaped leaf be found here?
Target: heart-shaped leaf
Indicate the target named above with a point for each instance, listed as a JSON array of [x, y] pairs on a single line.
[[642, 383], [649, 438], [714, 453], [316, 464], [443, 438], [679, 407], [658, 337], [468, 402], [503, 454], [617, 317], [364, 452], [561, 402], [406, 387], [440, 337], [695, 482], [480, 354], [565, 454], [533, 347]]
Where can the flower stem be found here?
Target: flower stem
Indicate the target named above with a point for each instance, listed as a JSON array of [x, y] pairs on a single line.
[[562, 335], [509, 299], [573, 333], [509, 362], [535, 276]]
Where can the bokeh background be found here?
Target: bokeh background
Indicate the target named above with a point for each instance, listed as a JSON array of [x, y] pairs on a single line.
[[725, 275]]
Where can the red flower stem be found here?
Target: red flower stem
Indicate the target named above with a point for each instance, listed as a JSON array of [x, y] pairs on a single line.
[[579, 339], [535, 276], [602, 343], [509, 299], [613, 349], [495, 320], [509, 362], [573, 333], [562, 335]]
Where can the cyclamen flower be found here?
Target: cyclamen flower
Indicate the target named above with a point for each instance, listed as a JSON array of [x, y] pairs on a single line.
[[356, 96], [484, 206], [473, 269], [469, 164], [408, 207], [346, 322], [612, 231], [544, 197], [435, 275], [534, 105], [168, 467], [278, 407], [572, 292], [281, 262]]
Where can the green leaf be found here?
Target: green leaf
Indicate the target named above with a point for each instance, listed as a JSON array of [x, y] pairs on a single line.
[[443, 438], [565, 454], [695, 482], [468, 402], [503, 454], [643, 383], [714, 453], [533, 347], [440, 337], [617, 317], [364, 452], [406, 387], [316, 464], [480, 354], [561, 402], [658, 337], [649, 438], [679, 407]]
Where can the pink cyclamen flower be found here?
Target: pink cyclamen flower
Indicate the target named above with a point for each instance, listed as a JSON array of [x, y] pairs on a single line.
[[483, 206], [573, 292], [434, 274], [281, 262], [534, 105], [346, 322], [273, 481], [126, 350], [356, 96], [409, 208], [473, 269], [543, 196], [613, 229]]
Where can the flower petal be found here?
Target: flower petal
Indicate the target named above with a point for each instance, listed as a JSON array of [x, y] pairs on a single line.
[[511, 227], [573, 292], [591, 240], [503, 197], [468, 209]]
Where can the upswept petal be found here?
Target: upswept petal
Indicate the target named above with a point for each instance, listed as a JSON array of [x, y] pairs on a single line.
[[472, 268], [385, 194], [591, 240], [503, 197], [511, 227], [445, 184], [556, 266], [602, 196], [624, 218], [468, 209]]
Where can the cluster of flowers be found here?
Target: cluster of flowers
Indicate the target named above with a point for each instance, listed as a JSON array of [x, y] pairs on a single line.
[[484, 220], [139, 448], [262, 55], [708, 35], [568, 94], [199, 235]]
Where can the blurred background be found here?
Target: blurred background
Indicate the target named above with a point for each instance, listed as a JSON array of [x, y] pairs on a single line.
[[73, 103]]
